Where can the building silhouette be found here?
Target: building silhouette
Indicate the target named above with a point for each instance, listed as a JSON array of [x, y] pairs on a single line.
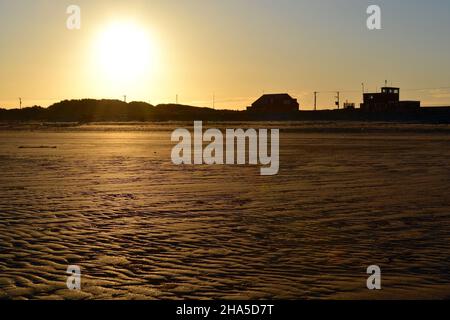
[[349, 105], [275, 103], [387, 100]]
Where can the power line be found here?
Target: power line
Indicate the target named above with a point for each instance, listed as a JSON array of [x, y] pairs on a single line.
[[215, 101], [425, 89], [226, 100], [403, 89]]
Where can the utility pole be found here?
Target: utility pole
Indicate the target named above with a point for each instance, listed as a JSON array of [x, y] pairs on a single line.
[[362, 84], [20, 103], [315, 100], [338, 100], [124, 98]]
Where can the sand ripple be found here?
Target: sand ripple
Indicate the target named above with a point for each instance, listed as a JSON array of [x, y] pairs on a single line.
[[142, 228]]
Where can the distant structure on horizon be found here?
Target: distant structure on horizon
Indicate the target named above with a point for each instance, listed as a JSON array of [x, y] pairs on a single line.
[[274, 103], [349, 105], [387, 100]]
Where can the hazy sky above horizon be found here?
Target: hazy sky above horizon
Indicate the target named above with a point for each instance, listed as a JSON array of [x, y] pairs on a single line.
[[233, 49]]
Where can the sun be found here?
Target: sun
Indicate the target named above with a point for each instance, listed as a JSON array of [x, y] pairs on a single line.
[[125, 52]]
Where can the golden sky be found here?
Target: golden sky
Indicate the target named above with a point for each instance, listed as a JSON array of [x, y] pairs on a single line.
[[235, 50]]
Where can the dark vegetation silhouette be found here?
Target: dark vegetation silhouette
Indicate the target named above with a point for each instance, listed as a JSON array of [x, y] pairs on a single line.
[[90, 110]]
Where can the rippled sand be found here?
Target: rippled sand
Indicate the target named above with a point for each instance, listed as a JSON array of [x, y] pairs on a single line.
[[108, 198]]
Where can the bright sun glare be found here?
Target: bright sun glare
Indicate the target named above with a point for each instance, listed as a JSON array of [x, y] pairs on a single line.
[[125, 52]]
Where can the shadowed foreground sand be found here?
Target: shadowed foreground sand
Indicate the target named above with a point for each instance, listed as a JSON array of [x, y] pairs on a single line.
[[108, 198]]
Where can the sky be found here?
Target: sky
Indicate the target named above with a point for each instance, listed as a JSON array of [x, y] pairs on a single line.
[[222, 53]]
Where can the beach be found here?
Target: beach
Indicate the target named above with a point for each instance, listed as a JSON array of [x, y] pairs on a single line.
[[107, 198]]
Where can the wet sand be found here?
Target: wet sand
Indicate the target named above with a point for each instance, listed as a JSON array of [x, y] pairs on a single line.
[[108, 198]]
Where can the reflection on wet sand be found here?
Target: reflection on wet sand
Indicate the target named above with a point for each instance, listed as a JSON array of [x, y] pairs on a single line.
[[110, 200]]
